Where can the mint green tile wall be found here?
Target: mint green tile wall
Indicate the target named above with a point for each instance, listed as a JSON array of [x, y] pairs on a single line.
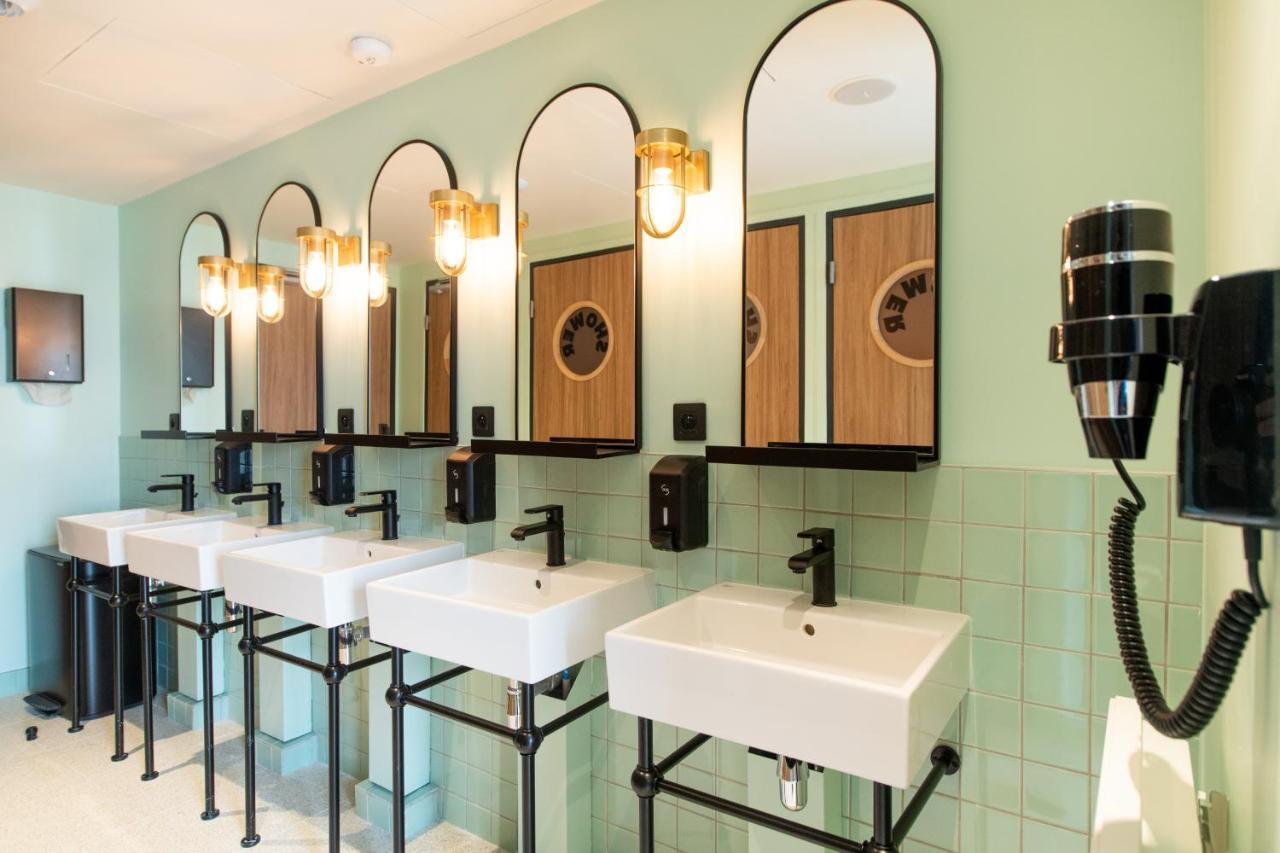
[[60, 460], [1022, 551]]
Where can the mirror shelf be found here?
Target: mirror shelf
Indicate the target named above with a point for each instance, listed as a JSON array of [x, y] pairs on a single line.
[[175, 434], [409, 441], [824, 456], [267, 437], [560, 449]]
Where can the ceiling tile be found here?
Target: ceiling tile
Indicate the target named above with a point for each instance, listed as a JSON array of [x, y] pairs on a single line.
[[32, 44], [132, 67], [469, 18]]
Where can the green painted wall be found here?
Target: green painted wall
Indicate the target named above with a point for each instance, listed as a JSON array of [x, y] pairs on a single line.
[[1022, 149], [61, 460]]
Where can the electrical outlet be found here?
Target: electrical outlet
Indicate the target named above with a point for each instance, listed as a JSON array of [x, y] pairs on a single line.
[[246, 420], [689, 422], [482, 421], [346, 420], [175, 421]]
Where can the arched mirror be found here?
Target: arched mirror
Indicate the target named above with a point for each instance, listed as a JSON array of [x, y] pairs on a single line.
[[205, 282], [577, 300], [840, 268], [412, 304], [276, 327]]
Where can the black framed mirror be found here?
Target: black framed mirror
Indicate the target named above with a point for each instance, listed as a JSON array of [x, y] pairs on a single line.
[[277, 330], [412, 355], [841, 179], [579, 280], [204, 327]]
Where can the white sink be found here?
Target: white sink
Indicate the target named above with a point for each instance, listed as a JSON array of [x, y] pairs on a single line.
[[863, 687], [322, 579], [507, 613], [188, 554], [99, 536]]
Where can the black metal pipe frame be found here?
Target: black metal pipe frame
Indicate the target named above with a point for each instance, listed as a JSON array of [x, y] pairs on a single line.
[[333, 672], [649, 780], [526, 739]]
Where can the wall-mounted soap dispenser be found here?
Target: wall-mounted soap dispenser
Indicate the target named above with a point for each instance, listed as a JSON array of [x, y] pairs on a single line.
[[470, 495], [678, 503], [333, 474], [233, 467]]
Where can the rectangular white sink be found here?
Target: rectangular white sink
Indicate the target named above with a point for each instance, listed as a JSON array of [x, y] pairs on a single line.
[[863, 687], [507, 612], [322, 579], [99, 537], [189, 555]]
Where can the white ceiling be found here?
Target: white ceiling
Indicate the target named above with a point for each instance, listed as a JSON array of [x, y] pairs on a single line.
[[577, 167], [109, 100], [797, 135]]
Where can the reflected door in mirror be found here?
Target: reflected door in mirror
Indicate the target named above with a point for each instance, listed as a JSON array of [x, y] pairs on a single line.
[[772, 339], [439, 355], [382, 366], [583, 358], [882, 315], [287, 356]]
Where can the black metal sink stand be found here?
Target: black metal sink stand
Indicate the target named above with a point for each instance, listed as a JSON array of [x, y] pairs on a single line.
[[206, 629], [649, 780], [527, 739], [117, 600], [333, 673]]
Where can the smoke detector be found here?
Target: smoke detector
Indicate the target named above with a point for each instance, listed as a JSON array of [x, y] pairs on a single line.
[[17, 8], [861, 91], [366, 50]]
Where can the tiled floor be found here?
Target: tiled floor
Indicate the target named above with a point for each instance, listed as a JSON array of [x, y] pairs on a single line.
[[61, 792]]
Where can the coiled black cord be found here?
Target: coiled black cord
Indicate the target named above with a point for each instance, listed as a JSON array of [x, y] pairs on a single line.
[[1226, 643]]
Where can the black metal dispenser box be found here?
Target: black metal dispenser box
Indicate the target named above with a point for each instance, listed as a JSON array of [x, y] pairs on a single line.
[[233, 467], [470, 492], [333, 474], [678, 503]]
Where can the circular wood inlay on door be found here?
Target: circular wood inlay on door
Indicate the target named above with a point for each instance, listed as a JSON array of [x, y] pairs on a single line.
[[581, 345], [904, 313], [753, 327]]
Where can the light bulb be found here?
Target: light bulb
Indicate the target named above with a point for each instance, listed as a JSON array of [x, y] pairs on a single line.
[[663, 203], [214, 296], [315, 276], [378, 292], [451, 247]]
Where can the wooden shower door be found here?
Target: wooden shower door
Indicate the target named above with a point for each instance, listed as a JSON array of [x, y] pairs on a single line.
[[287, 354], [382, 366], [439, 366], [772, 375], [584, 383]]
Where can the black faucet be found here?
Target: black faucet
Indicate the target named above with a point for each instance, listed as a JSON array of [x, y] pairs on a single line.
[[822, 559], [387, 506], [186, 483], [275, 502], [553, 527]]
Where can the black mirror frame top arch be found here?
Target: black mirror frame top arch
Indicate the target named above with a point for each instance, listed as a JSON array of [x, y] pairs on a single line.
[[408, 439], [826, 455], [256, 434], [585, 448], [178, 431]]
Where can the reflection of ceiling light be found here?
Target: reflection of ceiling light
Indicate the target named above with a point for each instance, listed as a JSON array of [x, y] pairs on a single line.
[[522, 183], [367, 50], [862, 90], [16, 8]]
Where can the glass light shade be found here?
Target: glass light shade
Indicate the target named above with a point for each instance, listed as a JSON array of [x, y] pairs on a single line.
[[317, 260], [452, 210], [379, 274], [216, 276], [270, 293], [663, 154], [522, 225]]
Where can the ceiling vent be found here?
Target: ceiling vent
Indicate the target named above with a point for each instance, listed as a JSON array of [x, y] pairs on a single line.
[[16, 8]]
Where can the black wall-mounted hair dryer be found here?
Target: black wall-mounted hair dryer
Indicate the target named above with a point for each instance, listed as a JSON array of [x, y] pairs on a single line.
[[1117, 337]]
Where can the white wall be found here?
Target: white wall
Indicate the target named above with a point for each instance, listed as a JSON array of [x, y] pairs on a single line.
[[64, 460], [1241, 752]]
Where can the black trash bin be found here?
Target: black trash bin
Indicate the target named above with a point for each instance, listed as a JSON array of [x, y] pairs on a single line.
[[49, 637]]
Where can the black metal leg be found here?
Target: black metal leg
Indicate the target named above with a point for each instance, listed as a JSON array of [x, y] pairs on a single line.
[[642, 782], [117, 648], [528, 750], [397, 751], [73, 589], [207, 632], [148, 718], [882, 815], [251, 836], [335, 745]]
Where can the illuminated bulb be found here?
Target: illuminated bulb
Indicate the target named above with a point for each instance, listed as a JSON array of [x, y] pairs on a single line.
[[317, 260], [663, 203], [451, 247], [214, 298], [378, 291], [270, 294], [316, 273]]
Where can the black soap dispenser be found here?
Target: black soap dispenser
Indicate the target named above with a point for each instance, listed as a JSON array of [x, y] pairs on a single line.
[[470, 494], [678, 503], [233, 467], [333, 474]]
